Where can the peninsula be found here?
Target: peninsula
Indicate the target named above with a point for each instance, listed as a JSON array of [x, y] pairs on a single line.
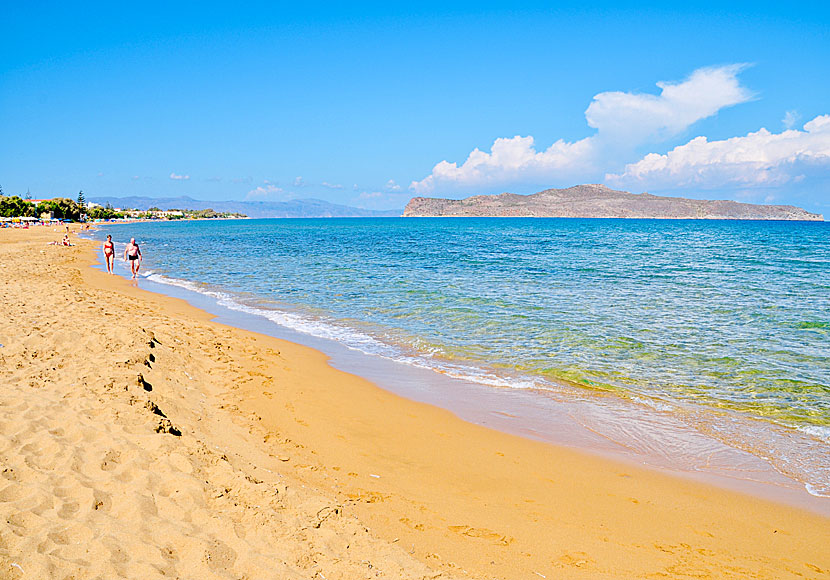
[[598, 201]]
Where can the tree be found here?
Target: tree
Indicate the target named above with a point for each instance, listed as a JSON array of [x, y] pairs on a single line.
[[15, 207], [1, 191], [28, 194], [61, 208], [104, 213], [81, 199]]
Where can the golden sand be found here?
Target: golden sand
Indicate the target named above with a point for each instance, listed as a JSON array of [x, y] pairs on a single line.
[[138, 439]]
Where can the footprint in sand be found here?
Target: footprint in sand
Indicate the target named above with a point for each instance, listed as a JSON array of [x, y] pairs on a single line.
[[574, 560], [68, 510], [12, 492], [482, 533], [219, 556], [410, 524], [111, 460], [367, 496]]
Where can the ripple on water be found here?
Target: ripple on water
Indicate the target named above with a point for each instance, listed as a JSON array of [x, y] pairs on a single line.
[[723, 315]]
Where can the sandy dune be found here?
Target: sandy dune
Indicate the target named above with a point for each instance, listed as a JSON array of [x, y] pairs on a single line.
[[138, 439]]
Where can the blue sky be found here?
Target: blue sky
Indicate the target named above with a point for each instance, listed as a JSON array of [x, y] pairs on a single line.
[[370, 104]]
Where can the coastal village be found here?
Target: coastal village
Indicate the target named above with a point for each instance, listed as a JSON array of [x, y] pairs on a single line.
[[23, 211]]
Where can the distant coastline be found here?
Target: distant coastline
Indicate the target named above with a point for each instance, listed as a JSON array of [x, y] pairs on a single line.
[[598, 201]]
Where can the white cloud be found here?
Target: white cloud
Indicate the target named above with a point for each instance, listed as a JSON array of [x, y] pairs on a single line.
[[640, 117], [298, 181], [514, 159], [790, 119], [622, 121], [177, 177], [268, 192], [136, 178], [392, 186], [328, 185], [756, 159]]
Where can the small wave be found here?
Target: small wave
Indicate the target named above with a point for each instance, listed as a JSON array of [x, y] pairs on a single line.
[[818, 492], [655, 404], [817, 431], [356, 340]]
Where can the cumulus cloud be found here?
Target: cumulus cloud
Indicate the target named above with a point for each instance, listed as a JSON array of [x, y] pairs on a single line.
[[328, 185], [177, 177], [392, 186], [299, 182], [622, 122], [509, 160], [268, 192], [756, 159], [639, 117]]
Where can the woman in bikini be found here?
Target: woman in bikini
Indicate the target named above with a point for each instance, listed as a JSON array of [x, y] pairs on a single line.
[[109, 254], [133, 253]]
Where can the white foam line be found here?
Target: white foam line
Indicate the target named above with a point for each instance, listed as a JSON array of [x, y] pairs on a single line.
[[352, 339], [817, 431]]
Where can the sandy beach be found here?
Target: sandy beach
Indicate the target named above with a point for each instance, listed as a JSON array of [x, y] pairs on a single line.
[[139, 439]]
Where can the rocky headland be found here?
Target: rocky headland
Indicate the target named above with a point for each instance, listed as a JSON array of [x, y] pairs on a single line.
[[598, 201]]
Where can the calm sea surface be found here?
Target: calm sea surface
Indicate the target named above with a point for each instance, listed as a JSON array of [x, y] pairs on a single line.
[[717, 319]]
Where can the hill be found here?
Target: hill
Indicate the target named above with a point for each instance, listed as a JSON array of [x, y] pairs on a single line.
[[598, 201]]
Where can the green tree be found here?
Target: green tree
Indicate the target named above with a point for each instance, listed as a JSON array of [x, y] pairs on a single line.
[[15, 207], [103, 213], [61, 208], [81, 199]]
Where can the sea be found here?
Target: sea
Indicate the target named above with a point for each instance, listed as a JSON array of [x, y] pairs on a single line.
[[701, 345]]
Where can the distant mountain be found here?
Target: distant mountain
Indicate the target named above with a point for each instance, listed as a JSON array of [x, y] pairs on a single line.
[[598, 201], [299, 208]]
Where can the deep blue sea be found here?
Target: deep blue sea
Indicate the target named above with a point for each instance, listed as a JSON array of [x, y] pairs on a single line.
[[712, 318]]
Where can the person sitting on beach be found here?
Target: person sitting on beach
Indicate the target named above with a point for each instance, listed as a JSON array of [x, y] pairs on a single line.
[[109, 253], [133, 253], [66, 241]]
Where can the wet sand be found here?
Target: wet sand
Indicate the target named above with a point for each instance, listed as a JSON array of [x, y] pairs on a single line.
[[139, 439]]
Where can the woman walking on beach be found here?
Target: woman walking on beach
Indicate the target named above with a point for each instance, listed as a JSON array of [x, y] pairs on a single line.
[[109, 254], [133, 253]]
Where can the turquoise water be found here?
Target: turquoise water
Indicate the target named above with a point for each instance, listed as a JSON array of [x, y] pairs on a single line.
[[729, 317]]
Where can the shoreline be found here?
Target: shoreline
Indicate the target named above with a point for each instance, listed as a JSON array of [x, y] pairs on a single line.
[[605, 425], [407, 483]]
